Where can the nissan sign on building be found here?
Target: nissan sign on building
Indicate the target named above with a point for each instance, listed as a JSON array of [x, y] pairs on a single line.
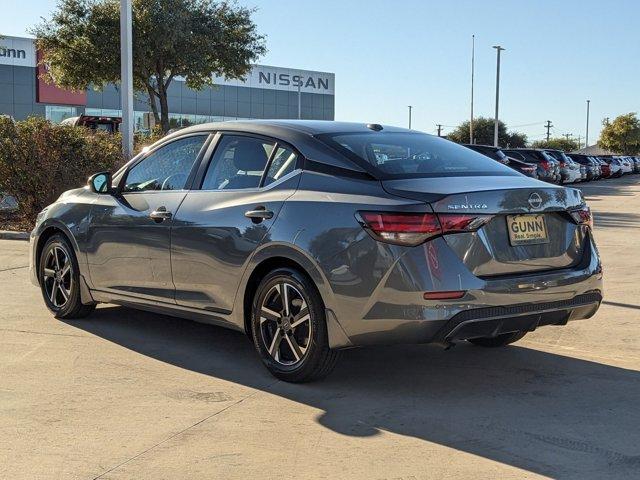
[[266, 92]]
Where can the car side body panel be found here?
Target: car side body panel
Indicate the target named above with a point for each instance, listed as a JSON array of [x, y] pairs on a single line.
[[212, 241]]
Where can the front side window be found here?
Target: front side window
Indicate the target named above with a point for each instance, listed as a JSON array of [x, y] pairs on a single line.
[[166, 168], [237, 163], [406, 154]]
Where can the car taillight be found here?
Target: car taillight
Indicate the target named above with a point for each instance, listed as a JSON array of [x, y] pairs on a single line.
[[415, 228], [545, 164], [582, 216]]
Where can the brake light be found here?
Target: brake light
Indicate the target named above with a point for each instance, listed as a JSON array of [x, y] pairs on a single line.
[[448, 295], [545, 164], [582, 216], [415, 228]]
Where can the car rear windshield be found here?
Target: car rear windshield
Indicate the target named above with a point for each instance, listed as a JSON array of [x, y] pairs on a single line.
[[408, 154], [531, 156], [494, 153]]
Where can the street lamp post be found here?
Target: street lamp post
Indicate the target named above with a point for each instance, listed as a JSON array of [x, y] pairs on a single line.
[[473, 62], [495, 126], [410, 108], [126, 78], [586, 140], [299, 102]]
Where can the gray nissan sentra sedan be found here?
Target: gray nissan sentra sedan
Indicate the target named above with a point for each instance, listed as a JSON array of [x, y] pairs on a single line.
[[314, 236]]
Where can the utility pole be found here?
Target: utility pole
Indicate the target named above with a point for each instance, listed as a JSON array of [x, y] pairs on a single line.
[[548, 127], [410, 108], [439, 125], [495, 126], [580, 144], [586, 140], [567, 135], [473, 54], [126, 78]]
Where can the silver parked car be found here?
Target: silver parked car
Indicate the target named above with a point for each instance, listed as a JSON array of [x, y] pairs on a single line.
[[314, 236]]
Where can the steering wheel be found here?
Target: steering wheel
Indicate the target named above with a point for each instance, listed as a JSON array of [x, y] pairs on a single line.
[[171, 179]]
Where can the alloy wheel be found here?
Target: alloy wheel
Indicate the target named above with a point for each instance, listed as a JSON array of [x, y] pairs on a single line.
[[57, 276], [285, 324]]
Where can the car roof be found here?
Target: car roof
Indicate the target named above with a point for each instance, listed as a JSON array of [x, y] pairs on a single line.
[[298, 133], [471, 145], [310, 127]]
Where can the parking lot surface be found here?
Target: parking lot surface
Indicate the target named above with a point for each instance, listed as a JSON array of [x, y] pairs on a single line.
[[133, 395]]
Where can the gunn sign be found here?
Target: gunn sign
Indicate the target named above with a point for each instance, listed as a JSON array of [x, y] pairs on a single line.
[[18, 52]]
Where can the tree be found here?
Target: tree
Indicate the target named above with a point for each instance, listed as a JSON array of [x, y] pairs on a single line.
[[564, 144], [194, 39], [483, 132], [622, 135]]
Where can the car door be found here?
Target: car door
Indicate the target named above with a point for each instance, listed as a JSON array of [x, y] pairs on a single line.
[[129, 234], [220, 225]]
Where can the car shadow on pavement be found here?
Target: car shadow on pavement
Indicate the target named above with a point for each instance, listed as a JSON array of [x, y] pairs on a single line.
[[545, 413]]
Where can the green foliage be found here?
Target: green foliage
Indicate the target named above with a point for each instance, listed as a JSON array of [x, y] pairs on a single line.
[[560, 143], [40, 160], [483, 129], [622, 135], [194, 39]]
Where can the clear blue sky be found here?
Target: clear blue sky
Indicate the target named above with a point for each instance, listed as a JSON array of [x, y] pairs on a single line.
[[390, 54]]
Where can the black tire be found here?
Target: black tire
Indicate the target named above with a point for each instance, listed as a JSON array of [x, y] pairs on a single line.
[[60, 290], [299, 353], [499, 341]]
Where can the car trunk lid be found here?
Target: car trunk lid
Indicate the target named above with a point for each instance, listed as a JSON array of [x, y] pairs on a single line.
[[513, 202]]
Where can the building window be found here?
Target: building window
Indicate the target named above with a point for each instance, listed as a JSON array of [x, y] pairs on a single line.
[[56, 114]]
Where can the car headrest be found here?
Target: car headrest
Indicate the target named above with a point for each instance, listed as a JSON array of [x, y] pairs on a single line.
[[249, 156]]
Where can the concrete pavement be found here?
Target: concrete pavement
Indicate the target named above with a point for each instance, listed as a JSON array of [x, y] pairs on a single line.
[[133, 395]]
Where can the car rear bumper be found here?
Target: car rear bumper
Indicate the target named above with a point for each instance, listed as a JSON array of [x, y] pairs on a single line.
[[493, 321], [397, 313]]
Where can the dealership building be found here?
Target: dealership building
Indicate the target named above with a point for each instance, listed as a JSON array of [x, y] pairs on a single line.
[[266, 92]]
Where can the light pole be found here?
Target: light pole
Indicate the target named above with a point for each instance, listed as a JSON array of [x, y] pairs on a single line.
[[473, 54], [126, 78], [495, 126], [410, 108], [586, 140], [299, 102]]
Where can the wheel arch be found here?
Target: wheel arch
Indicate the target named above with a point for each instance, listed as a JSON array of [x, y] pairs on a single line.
[[45, 232], [277, 256]]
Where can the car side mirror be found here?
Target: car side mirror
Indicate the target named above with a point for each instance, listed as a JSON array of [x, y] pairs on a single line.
[[100, 182]]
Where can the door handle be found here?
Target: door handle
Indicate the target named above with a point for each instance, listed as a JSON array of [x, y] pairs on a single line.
[[258, 214], [160, 214]]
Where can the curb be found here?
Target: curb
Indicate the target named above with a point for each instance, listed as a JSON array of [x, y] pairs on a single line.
[[11, 235]]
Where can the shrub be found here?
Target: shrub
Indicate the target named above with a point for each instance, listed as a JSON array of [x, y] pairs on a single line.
[[40, 160]]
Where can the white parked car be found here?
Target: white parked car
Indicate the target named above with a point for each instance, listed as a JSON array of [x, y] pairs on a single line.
[[625, 163]]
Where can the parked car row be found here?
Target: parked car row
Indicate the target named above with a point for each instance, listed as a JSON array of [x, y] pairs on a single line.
[[556, 166]]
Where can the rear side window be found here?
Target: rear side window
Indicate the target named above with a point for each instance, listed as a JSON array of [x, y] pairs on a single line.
[[237, 163], [407, 154], [284, 161]]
